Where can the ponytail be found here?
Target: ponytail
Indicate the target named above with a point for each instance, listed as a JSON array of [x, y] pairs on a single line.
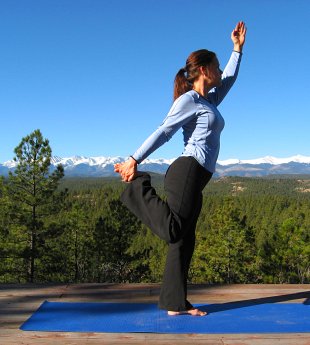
[[181, 84]]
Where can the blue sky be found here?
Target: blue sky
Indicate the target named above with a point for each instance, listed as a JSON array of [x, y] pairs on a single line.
[[96, 76]]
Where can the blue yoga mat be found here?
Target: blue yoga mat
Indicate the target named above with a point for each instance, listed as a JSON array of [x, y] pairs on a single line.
[[147, 318]]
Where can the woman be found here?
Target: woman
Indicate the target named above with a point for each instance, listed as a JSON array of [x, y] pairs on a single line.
[[198, 89]]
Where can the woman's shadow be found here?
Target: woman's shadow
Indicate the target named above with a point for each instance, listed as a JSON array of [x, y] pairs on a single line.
[[215, 308]]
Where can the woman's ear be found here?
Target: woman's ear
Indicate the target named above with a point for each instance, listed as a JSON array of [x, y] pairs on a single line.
[[204, 70]]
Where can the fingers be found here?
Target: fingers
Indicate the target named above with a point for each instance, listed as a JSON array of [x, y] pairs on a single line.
[[117, 167], [238, 34], [237, 28], [131, 177], [241, 28], [127, 170], [128, 178], [125, 174]]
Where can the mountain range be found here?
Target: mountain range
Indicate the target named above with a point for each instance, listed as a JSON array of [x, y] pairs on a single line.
[[79, 166]]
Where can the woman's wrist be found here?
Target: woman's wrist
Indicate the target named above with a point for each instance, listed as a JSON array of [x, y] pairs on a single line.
[[237, 48], [133, 160]]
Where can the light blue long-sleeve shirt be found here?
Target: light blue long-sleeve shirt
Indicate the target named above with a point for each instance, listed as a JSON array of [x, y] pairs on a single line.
[[200, 119]]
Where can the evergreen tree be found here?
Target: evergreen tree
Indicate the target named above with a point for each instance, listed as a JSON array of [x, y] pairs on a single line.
[[4, 207], [249, 230], [113, 237], [78, 242], [32, 188], [151, 253], [224, 250], [293, 250], [6, 250]]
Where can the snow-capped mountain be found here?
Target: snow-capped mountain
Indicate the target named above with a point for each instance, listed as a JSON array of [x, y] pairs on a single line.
[[104, 166], [267, 160]]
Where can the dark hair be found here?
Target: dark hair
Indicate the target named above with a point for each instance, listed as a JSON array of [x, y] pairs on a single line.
[[184, 79]]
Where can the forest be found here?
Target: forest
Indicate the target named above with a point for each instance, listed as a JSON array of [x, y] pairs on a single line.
[[59, 229]]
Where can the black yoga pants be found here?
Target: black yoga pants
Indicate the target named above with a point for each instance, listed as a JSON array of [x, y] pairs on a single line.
[[174, 221]]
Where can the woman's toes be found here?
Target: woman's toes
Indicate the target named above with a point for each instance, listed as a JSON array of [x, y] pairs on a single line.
[[193, 312]]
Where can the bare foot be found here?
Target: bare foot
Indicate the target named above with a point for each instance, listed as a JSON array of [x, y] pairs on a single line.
[[193, 312]]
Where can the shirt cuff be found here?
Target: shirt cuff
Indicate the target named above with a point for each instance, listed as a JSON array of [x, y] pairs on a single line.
[[134, 158]]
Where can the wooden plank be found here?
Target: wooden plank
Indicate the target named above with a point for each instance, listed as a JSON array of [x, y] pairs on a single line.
[[18, 302], [296, 339], [47, 338]]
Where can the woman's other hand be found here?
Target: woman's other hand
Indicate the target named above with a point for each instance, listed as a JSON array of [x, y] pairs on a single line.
[[238, 36], [127, 170]]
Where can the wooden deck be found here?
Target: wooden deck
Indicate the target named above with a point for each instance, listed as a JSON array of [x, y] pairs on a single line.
[[18, 302]]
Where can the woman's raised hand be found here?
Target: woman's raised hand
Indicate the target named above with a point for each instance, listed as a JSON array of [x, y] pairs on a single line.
[[238, 36], [127, 170]]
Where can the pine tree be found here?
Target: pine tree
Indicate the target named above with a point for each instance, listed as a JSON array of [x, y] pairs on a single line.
[[293, 251], [113, 237], [224, 251], [32, 188], [5, 239]]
